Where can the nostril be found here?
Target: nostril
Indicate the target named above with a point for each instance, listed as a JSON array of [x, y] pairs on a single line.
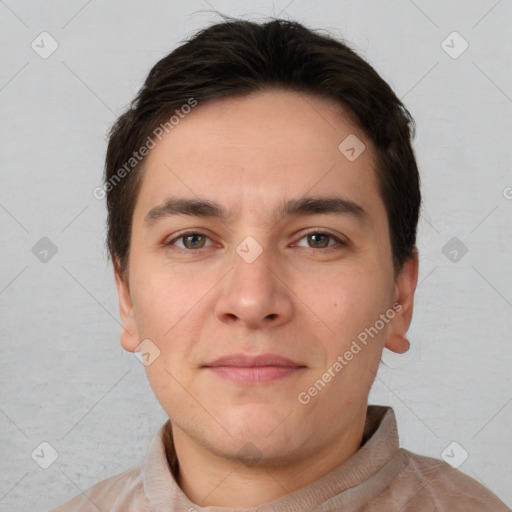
[[271, 316]]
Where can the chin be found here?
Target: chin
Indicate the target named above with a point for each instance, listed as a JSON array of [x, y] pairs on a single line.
[[263, 452], [255, 420], [272, 430]]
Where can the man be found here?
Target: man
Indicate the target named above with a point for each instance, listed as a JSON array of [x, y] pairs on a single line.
[[263, 198]]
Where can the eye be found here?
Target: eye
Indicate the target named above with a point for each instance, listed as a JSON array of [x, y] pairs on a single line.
[[319, 240], [190, 240]]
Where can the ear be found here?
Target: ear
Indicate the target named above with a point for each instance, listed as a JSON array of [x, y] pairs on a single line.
[[129, 336], [405, 287]]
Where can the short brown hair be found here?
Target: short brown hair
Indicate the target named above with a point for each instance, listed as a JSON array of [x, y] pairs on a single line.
[[235, 58]]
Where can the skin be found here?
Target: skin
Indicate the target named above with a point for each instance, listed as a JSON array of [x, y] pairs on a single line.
[[299, 298]]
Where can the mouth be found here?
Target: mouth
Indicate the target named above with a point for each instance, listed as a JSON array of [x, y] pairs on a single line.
[[260, 369]]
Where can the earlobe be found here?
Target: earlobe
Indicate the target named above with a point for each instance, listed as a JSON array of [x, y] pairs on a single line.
[[398, 344], [129, 336], [404, 295]]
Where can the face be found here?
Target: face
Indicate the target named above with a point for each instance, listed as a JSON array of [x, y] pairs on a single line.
[[259, 254]]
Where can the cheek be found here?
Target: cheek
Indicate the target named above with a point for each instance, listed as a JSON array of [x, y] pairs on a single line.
[[348, 300], [162, 300], [163, 316], [352, 304], [169, 309]]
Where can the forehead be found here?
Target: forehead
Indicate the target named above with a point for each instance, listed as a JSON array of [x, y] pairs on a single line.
[[261, 147]]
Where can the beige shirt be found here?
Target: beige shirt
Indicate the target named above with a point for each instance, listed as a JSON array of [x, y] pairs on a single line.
[[380, 476]]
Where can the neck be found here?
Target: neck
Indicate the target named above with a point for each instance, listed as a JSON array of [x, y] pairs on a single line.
[[210, 480]]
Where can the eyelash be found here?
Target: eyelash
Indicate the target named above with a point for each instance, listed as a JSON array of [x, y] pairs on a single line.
[[183, 235], [339, 242]]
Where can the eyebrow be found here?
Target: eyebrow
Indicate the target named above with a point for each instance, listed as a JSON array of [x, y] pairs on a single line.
[[194, 207], [308, 205], [292, 207]]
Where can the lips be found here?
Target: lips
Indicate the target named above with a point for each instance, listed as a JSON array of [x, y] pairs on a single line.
[[249, 369], [241, 360]]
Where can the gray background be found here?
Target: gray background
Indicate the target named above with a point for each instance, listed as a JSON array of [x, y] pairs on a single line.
[[65, 379]]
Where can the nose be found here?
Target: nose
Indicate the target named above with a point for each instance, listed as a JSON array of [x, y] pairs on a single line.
[[255, 295]]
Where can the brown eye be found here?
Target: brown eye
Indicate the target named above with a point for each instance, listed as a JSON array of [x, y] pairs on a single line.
[[193, 241], [318, 240], [321, 240], [190, 241]]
